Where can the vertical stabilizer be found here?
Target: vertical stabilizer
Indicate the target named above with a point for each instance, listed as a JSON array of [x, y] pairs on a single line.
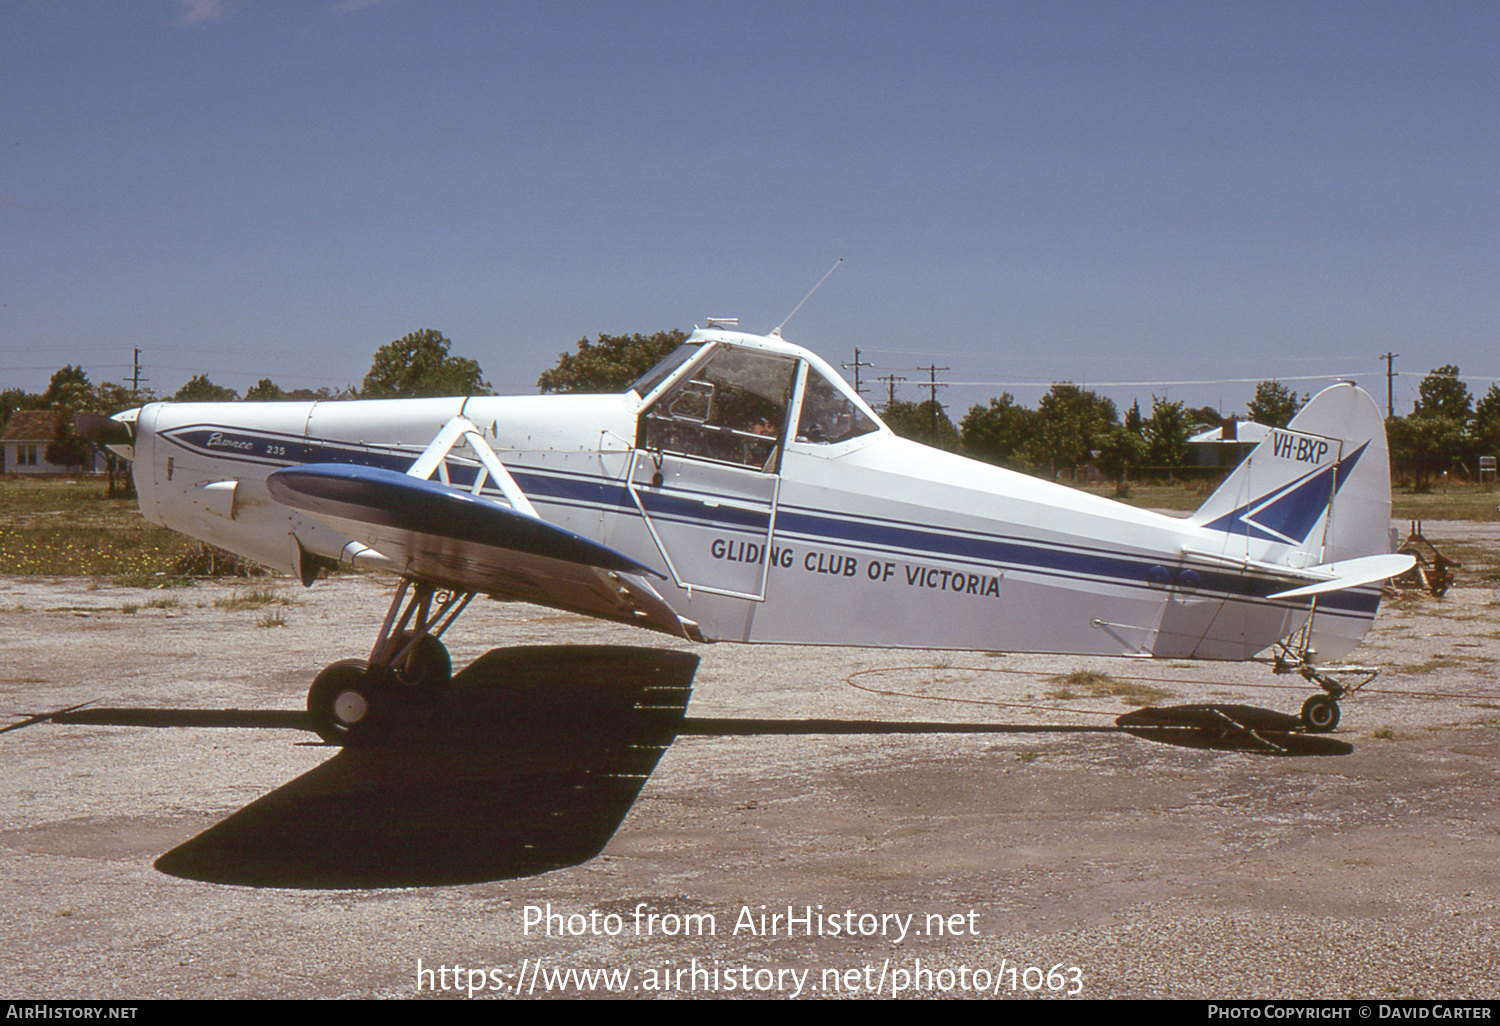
[[1316, 491], [1313, 493]]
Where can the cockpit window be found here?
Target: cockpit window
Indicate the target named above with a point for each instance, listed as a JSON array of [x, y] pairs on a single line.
[[733, 409], [663, 370], [828, 415]]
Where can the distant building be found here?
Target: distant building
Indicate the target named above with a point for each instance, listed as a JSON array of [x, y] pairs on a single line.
[[1227, 445], [23, 445]]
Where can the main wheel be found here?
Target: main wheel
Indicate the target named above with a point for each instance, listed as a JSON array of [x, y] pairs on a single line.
[[1320, 713], [428, 665], [341, 701]]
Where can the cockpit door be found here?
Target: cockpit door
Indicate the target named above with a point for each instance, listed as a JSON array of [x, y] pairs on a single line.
[[712, 524], [704, 473]]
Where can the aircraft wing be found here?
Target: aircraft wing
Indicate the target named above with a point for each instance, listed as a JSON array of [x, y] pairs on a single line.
[[452, 538]]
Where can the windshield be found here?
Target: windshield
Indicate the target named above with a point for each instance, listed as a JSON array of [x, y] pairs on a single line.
[[828, 415], [644, 385], [731, 408]]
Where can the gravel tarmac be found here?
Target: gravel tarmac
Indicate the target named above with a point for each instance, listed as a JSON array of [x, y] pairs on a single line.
[[1094, 864]]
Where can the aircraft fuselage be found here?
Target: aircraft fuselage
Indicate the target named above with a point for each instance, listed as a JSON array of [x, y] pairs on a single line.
[[774, 503]]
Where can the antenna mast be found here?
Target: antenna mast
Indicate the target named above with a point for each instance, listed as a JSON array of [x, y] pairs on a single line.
[[776, 331]]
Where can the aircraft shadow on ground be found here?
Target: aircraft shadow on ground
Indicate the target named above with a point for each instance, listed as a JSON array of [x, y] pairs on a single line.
[[1234, 728], [530, 761]]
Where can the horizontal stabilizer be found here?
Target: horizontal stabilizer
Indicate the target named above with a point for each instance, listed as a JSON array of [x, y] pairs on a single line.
[[1351, 573], [390, 501]]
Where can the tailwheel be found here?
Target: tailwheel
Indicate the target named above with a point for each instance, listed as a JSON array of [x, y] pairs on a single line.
[[342, 701], [1320, 714]]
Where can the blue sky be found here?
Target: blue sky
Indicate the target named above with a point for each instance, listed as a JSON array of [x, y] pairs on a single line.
[[1098, 192]]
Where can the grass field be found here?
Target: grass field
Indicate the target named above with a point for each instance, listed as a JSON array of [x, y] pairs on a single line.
[[71, 527], [62, 527], [1456, 502]]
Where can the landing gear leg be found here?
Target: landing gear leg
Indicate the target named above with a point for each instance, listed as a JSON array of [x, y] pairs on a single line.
[[1320, 713], [348, 700], [416, 656]]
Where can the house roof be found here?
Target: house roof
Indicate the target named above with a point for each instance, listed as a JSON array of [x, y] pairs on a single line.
[[32, 426], [1246, 432]]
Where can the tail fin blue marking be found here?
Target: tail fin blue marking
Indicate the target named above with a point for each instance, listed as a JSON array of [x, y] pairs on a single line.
[[1289, 513]]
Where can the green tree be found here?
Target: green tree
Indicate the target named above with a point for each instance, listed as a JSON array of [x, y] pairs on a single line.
[[1487, 410], [1425, 445], [264, 391], [110, 398], [68, 392], [418, 365], [13, 399], [1438, 435], [1072, 419], [1000, 432], [323, 394], [1207, 416], [610, 363], [924, 422], [1274, 404], [1486, 427], [1120, 449], [67, 449], [1444, 395], [1166, 433], [201, 390]]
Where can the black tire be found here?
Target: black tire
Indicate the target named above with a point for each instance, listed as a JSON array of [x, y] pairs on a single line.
[[429, 664], [341, 701], [1320, 714]]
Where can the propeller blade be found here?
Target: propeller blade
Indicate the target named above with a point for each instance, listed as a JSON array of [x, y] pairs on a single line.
[[102, 430]]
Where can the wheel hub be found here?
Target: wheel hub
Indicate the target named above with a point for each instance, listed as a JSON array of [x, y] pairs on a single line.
[[350, 707]]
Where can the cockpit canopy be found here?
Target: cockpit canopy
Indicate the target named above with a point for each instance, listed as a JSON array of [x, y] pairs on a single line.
[[736, 403]]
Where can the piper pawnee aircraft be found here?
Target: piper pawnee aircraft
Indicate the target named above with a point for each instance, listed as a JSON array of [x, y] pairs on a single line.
[[742, 491]]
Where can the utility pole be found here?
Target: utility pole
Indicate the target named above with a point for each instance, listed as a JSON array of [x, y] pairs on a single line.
[[933, 384], [891, 379], [858, 388], [135, 377], [1390, 404]]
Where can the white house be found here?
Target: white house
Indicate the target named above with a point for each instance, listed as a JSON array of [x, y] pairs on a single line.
[[1227, 445], [23, 445]]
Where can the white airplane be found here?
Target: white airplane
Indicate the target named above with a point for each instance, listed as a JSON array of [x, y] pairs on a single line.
[[742, 491]]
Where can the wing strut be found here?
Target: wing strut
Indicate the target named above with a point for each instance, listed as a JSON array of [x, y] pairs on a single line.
[[458, 430]]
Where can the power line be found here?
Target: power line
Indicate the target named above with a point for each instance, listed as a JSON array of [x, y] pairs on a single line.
[[1046, 382]]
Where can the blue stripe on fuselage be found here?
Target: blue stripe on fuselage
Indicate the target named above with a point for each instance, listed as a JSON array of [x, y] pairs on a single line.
[[810, 525]]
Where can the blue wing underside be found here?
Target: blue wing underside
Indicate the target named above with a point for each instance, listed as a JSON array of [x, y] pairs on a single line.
[[453, 539]]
